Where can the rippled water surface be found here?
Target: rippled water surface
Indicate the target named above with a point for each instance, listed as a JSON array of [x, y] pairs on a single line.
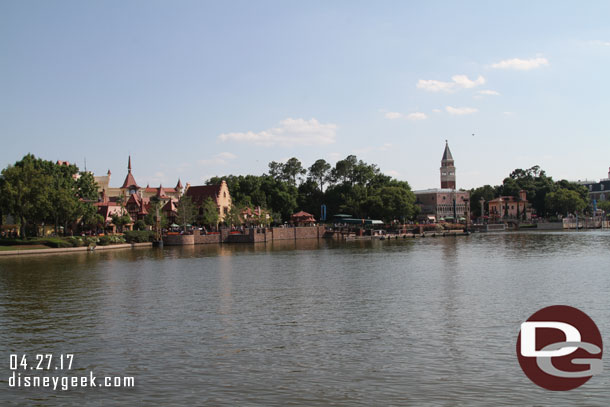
[[411, 322]]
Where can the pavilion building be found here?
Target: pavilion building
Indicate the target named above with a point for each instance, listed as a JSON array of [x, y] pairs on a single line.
[[444, 203]]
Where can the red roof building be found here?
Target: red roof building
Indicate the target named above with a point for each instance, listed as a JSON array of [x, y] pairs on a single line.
[[219, 194], [302, 219]]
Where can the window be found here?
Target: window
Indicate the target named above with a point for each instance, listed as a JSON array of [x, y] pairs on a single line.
[[224, 194], [602, 187]]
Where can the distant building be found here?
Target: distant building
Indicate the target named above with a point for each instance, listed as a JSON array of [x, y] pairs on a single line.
[[130, 186], [598, 191], [510, 207], [136, 199], [218, 193], [446, 202]]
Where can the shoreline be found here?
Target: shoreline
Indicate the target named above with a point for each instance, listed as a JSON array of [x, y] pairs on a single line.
[[72, 249]]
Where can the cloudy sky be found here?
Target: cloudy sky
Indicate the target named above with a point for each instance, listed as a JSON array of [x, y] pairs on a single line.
[[193, 89]]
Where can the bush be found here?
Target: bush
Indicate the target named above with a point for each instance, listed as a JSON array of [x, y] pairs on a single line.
[[139, 236], [104, 240], [75, 241], [89, 240], [56, 242]]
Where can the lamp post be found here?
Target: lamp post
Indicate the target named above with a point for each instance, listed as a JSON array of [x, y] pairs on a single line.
[[466, 211]]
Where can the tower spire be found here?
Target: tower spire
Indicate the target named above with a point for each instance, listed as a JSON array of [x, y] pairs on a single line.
[[447, 169], [129, 164]]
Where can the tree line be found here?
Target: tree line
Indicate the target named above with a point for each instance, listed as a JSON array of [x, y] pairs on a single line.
[[351, 186], [548, 198], [36, 191]]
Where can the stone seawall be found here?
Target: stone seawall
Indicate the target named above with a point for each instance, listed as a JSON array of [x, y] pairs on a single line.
[[250, 236]]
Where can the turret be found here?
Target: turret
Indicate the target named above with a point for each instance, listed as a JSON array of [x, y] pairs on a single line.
[[447, 169]]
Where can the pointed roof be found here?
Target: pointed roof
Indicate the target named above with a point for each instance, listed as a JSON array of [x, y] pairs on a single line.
[[130, 181], [447, 153], [179, 184]]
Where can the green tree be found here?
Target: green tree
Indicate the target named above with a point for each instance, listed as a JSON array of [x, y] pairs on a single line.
[[210, 214], [156, 204], [121, 220], [486, 192], [564, 202], [292, 169], [320, 173], [25, 192], [185, 211]]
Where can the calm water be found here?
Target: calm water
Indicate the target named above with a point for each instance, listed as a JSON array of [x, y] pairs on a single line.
[[418, 322]]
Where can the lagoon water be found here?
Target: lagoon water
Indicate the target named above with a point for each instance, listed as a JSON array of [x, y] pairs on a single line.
[[417, 322]]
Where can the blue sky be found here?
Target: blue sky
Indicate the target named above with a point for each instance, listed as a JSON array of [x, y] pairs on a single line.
[[193, 89]]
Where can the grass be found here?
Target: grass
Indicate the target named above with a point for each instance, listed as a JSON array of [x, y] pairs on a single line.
[[23, 247]]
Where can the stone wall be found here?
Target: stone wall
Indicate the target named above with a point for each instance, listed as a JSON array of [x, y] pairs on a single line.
[[178, 240], [251, 236], [207, 239]]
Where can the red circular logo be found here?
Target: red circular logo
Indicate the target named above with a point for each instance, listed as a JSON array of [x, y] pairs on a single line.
[[559, 348]]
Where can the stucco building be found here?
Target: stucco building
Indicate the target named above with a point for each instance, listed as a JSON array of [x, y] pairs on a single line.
[[446, 202], [219, 194]]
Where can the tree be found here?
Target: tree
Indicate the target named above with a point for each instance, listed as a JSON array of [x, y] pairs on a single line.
[[185, 211], [320, 173], [604, 206], [233, 218], [344, 169], [155, 207], [292, 169], [121, 220], [24, 192], [564, 201], [210, 215], [276, 170], [486, 192]]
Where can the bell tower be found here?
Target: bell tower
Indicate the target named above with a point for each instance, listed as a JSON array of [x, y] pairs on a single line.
[[447, 169]]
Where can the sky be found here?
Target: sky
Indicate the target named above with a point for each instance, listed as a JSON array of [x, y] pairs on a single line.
[[194, 89]]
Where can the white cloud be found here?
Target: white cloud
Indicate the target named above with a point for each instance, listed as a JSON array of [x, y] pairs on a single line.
[[411, 116], [459, 111], [218, 159], [464, 82], [602, 43], [458, 82], [488, 92], [289, 132], [436, 110], [417, 116], [393, 115], [521, 64]]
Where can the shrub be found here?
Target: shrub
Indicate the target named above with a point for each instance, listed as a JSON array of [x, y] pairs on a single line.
[[56, 242], [139, 236], [104, 240], [88, 240], [75, 241]]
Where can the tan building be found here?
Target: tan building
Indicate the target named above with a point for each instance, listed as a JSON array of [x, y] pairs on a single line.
[[130, 186], [509, 207], [218, 193], [136, 199], [444, 203]]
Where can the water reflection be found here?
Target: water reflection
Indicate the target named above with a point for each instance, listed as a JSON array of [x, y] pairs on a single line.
[[400, 322]]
